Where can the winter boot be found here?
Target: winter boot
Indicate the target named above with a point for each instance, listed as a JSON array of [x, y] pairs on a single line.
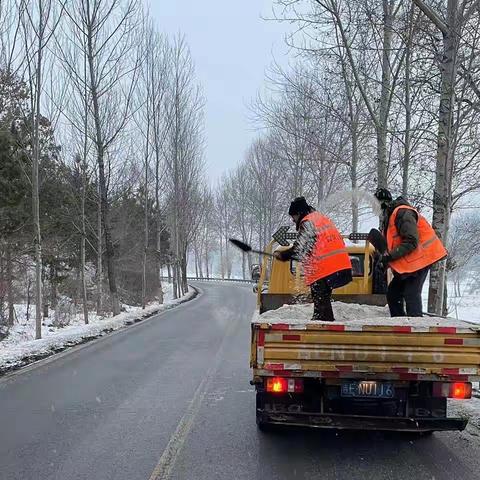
[[323, 311]]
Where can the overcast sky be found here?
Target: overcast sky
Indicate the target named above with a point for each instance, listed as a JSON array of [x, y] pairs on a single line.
[[231, 46]]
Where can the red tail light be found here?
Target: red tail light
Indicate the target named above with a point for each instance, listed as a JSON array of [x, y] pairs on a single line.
[[284, 385], [277, 385], [458, 390]]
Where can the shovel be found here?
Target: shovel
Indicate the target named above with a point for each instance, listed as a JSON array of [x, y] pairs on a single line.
[[247, 248], [376, 238]]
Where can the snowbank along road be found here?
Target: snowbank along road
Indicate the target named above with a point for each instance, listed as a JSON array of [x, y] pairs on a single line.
[[171, 398]]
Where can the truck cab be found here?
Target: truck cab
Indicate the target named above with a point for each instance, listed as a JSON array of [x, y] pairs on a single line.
[[282, 283]]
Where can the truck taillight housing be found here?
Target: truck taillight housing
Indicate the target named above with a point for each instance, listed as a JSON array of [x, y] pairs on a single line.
[[284, 385], [458, 390]]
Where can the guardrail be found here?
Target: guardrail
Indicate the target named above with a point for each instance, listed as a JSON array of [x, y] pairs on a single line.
[[215, 279]]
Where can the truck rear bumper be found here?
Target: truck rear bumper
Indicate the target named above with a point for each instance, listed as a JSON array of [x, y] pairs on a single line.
[[357, 422]]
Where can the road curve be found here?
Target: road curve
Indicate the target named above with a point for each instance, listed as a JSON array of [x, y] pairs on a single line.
[[170, 398]]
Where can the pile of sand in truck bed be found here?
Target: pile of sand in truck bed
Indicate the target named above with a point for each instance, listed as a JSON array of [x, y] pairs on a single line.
[[354, 314]]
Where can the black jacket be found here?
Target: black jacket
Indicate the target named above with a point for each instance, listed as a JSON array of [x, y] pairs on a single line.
[[304, 243]]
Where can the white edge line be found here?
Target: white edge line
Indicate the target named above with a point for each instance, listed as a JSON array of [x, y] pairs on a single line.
[[75, 348]]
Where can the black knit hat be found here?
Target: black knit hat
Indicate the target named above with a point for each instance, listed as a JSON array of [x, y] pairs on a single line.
[[299, 206], [383, 195]]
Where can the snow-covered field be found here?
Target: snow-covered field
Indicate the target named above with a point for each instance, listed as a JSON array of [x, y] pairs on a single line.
[[466, 307], [20, 347]]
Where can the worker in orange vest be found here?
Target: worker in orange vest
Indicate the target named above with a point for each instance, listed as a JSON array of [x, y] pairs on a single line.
[[321, 249], [413, 247]]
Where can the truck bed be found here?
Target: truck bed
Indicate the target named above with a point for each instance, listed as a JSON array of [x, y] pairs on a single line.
[[364, 342]]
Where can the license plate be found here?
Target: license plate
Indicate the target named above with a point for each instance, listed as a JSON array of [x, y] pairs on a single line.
[[368, 389]]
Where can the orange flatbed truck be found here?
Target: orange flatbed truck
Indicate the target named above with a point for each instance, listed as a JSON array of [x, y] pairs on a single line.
[[370, 374]]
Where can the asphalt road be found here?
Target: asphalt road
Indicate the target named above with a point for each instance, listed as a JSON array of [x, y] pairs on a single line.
[[170, 398]]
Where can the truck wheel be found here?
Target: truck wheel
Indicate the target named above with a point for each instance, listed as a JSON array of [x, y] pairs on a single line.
[[264, 427]]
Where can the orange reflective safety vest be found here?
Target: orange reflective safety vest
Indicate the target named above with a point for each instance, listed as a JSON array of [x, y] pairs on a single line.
[[429, 251], [329, 253]]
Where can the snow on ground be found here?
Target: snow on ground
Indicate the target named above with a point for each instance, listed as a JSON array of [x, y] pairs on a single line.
[[466, 307], [469, 409], [20, 347], [354, 314]]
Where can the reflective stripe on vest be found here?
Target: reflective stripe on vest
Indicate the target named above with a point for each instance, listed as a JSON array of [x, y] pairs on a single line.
[[329, 254], [429, 251]]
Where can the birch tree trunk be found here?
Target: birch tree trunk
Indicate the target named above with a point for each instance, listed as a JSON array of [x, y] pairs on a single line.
[[83, 199], [100, 147], [8, 260], [159, 261], [99, 275], [353, 128], [159, 226], [408, 105], [145, 219], [35, 176], [82, 259], [207, 260], [442, 196], [382, 124], [222, 260]]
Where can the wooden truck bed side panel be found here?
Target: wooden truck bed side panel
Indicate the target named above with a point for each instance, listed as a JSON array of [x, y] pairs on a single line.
[[432, 353]]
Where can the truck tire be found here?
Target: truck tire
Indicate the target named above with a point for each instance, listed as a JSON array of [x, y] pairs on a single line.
[[263, 427]]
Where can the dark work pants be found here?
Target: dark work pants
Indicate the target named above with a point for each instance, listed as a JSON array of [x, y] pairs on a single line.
[[322, 301], [404, 294]]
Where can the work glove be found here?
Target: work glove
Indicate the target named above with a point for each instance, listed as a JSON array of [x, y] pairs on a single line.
[[385, 260]]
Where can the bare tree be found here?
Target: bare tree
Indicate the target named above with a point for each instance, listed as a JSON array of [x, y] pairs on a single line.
[[355, 25], [154, 84], [39, 19], [184, 157], [12, 35], [457, 15], [105, 31], [77, 112]]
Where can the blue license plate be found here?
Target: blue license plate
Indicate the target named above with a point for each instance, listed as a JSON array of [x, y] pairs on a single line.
[[367, 389]]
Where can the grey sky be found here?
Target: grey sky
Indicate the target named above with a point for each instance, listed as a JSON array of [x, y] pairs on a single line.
[[231, 46]]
